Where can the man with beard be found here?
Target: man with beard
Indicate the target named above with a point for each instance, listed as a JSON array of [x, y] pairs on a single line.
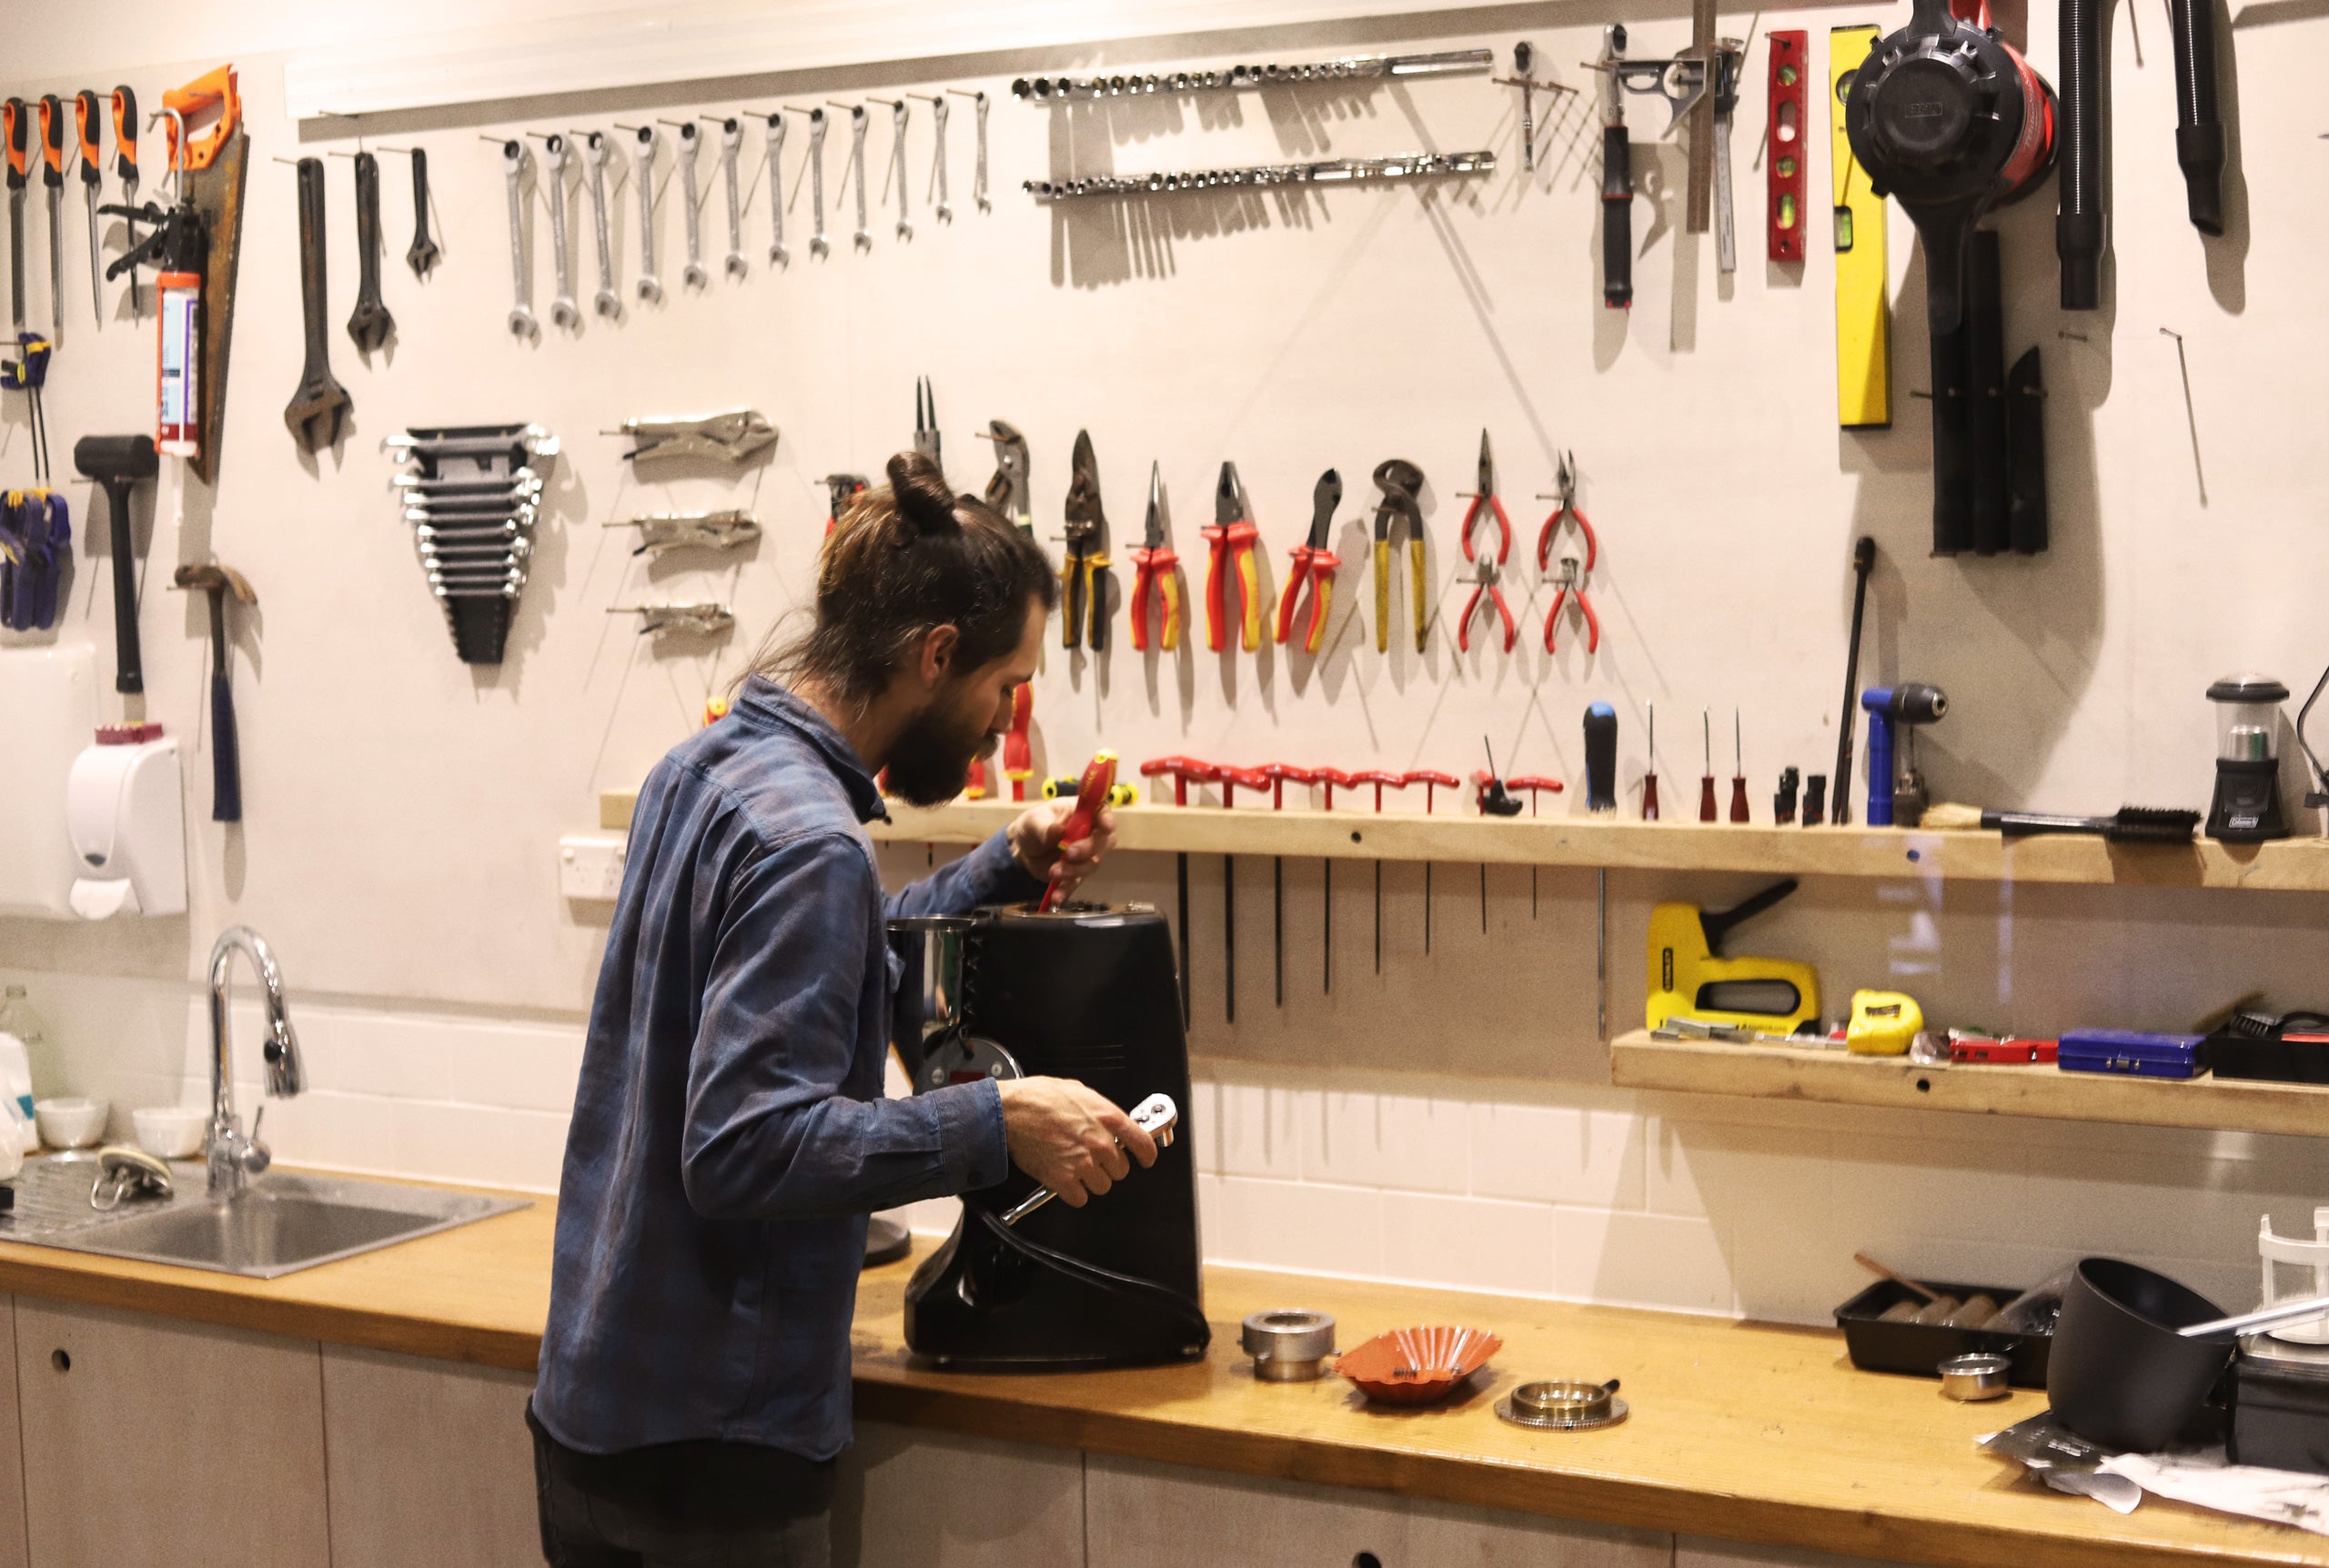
[[730, 1133]]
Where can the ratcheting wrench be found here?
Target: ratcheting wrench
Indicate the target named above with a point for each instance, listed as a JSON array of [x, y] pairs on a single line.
[[864, 237], [513, 172], [557, 155], [642, 169], [594, 151], [731, 140], [691, 143], [818, 245], [898, 108]]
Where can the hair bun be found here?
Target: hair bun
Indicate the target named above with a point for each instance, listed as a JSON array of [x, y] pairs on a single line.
[[925, 501]]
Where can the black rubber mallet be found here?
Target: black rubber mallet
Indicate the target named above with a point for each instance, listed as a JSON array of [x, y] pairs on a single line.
[[117, 463], [225, 752]]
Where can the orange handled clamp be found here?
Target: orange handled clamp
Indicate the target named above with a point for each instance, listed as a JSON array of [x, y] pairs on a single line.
[[1314, 567], [1232, 535], [1018, 750], [1158, 570], [214, 90], [1091, 796]]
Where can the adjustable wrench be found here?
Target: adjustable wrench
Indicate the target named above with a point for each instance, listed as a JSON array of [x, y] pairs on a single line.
[[777, 254], [318, 412], [897, 108], [732, 139], [642, 169], [594, 151], [691, 143], [557, 154], [818, 245], [521, 279], [371, 324], [422, 254], [864, 237]]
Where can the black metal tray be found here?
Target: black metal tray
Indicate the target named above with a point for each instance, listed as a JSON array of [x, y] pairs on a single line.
[[1918, 1349]]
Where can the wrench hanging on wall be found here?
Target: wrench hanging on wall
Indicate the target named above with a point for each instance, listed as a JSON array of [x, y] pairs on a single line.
[[898, 108], [818, 245], [422, 253], [731, 142], [938, 107], [521, 277], [979, 103], [371, 324], [691, 143], [557, 154], [864, 237], [642, 171], [607, 302]]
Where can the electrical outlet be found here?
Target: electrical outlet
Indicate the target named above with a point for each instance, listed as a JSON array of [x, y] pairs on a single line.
[[590, 866]]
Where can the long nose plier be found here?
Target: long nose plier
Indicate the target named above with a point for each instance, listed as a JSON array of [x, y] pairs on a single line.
[[1086, 577], [1159, 569], [1315, 566], [1232, 536], [1401, 482], [1487, 573]]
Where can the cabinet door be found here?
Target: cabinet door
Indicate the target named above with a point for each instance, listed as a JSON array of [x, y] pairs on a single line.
[[431, 1463], [1144, 1515], [909, 1499], [156, 1442], [12, 1456]]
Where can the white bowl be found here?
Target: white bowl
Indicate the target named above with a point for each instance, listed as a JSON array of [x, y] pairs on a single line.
[[70, 1124], [170, 1132]]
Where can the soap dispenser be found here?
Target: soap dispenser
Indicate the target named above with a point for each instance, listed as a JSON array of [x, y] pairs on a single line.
[[125, 813]]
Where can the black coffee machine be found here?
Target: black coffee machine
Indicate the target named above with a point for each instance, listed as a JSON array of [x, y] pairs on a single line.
[[1088, 992]]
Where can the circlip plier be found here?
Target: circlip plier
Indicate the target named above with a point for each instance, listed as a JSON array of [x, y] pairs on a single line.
[[1571, 578], [1085, 614], [1232, 535], [1399, 480], [1159, 569], [1487, 573], [1315, 566]]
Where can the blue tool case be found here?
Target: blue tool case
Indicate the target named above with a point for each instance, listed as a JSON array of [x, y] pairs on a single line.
[[2128, 1051]]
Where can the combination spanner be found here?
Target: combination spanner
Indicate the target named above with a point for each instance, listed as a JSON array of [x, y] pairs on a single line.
[[978, 174], [777, 254], [594, 152], [864, 237], [732, 139], [691, 143], [642, 170], [897, 108], [513, 173], [938, 107], [557, 154], [818, 245]]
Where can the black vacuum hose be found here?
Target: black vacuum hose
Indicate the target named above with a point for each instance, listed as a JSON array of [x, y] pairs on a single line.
[[2081, 228], [2199, 134]]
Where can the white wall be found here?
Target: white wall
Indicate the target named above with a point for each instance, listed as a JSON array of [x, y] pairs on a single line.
[[402, 810]]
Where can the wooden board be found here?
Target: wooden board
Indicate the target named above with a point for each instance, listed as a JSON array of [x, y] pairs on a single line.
[[1456, 835], [1837, 1077]]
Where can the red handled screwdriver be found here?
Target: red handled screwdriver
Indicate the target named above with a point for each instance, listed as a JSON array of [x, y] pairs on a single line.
[[1738, 769], [1706, 779], [1091, 797]]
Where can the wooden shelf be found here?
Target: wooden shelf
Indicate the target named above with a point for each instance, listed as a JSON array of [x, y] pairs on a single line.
[[2289, 865], [1839, 1078]]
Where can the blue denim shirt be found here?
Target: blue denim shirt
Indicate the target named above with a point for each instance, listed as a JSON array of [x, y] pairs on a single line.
[[730, 1132]]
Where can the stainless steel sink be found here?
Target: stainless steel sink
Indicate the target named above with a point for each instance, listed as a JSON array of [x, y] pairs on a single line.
[[280, 1223]]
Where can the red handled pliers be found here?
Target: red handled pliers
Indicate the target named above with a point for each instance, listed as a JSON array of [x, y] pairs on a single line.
[[1567, 512], [1315, 566], [1572, 581], [1486, 573]]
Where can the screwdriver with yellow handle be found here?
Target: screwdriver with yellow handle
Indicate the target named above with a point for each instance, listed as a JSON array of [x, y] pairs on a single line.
[[15, 129], [88, 119], [1231, 536], [1400, 481], [52, 152]]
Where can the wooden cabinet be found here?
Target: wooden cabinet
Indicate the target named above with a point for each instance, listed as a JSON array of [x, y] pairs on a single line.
[[154, 1441], [1144, 1515], [12, 1457], [1698, 1552], [432, 1465], [911, 1499]]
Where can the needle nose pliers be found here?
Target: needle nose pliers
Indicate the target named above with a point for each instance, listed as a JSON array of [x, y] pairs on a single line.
[[1232, 536], [1400, 482], [1487, 573], [1158, 570], [1315, 566]]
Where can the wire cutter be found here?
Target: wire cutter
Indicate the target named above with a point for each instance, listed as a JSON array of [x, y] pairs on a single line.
[[1571, 580], [1487, 573], [1566, 512], [1231, 536], [925, 419], [1007, 492], [1085, 575], [1159, 569], [1314, 564], [1400, 481]]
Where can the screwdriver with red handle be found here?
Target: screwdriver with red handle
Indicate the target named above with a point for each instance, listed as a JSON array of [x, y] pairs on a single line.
[[89, 120], [52, 152], [1091, 798], [1018, 746]]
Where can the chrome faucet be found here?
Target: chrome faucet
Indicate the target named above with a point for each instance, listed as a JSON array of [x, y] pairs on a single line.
[[234, 1158]]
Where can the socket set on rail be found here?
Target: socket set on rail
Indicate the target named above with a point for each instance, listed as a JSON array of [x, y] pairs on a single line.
[[472, 493]]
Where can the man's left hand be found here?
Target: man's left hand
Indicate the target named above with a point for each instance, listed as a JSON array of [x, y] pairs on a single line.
[[1034, 843]]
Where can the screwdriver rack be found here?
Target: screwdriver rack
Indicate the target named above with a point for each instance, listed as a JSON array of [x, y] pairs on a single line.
[[1357, 833]]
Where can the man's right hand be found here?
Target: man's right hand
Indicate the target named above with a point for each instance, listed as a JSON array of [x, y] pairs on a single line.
[[1072, 1139]]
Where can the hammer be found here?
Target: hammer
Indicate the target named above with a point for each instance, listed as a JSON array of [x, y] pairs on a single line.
[[117, 463], [226, 758]]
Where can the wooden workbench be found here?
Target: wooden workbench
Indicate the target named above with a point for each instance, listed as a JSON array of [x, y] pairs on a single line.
[[1741, 1431]]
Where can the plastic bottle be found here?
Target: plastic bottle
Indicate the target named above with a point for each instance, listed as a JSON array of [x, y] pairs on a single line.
[[21, 1033]]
